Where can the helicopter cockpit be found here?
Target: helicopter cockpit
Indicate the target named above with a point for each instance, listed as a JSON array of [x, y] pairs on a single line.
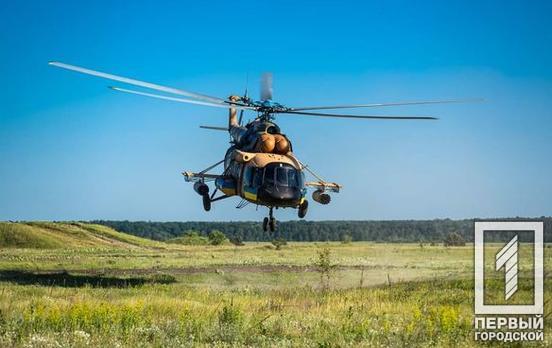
[[276, 182]]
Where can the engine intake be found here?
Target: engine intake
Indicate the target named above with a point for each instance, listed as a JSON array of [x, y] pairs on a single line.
[[242, 156]]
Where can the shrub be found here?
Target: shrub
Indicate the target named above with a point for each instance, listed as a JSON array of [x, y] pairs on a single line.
[[216, 237], [230, 320], [162, 278], [346, 239], [230, 316], [190, 238], [279, 242], [454, 239], [325, 267], [237, 241]]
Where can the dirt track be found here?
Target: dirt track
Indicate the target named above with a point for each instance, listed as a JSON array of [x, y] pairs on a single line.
[[197, 270]]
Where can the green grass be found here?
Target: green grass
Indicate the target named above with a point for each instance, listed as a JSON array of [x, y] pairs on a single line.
[[24, 236], [49, 235], [79, 285]]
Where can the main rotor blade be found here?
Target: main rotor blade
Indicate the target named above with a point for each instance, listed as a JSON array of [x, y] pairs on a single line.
[[420, 102], [138, 82], [375, 117], [266, 86], [215, 128], [180, 100]]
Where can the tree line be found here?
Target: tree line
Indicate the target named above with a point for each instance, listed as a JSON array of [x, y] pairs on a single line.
[[379, 231]]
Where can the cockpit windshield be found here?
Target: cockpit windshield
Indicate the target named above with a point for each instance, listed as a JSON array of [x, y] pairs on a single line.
[[281, 175]]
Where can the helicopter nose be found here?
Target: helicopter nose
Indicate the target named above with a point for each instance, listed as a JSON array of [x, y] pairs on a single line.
[[280, 195], [287, 193]]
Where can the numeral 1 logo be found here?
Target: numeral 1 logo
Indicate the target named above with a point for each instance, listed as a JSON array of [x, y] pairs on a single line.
[[507, 258]]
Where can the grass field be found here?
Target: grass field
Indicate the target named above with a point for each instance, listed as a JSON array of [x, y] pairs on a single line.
[[72, 284]]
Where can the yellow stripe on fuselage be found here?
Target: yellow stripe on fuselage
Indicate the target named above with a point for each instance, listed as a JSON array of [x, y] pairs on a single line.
[[250, 196], [229, 191]]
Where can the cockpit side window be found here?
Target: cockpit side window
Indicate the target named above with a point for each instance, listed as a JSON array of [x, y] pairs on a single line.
[[268, 177], [292, 178], [257, 177], [247, 176]]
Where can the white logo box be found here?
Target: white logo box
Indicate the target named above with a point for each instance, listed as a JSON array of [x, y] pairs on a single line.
[[506, 226]]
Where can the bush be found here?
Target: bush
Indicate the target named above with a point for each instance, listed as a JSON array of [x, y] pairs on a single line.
[[190, 238], [230, 316], [237, 241], [279, 243], [346, 239], [454, 239], [230, 320], [162, 278], [216, 237], [325, 267]]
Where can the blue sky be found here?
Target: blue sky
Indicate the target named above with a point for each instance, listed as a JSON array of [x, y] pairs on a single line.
[[72, 149]]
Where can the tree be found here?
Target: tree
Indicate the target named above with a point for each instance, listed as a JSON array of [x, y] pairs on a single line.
[[325, 267], [454, 239], [346, 239], [237, 241], [279, 242], [430, 231], [216, 237]]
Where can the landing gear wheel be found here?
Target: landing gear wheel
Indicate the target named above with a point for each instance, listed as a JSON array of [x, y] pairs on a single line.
[[303, 208], [270, 220], [265, 224], [206, 202], [272, 224]]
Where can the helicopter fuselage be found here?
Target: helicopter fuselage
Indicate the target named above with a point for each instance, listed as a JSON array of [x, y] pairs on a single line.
[[267, 179]]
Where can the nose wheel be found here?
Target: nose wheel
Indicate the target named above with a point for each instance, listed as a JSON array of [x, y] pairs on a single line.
[[303, 208], [269, 222]]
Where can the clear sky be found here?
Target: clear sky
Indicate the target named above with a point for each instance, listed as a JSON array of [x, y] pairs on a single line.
[[72, 149]]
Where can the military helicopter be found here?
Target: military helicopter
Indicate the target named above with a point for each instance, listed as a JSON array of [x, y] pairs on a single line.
[[259, 166]]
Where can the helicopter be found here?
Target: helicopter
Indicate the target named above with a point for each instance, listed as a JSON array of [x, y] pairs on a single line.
[[260, 166]]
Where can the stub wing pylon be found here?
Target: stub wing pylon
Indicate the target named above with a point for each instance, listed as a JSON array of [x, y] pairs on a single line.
[[324, 186]]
